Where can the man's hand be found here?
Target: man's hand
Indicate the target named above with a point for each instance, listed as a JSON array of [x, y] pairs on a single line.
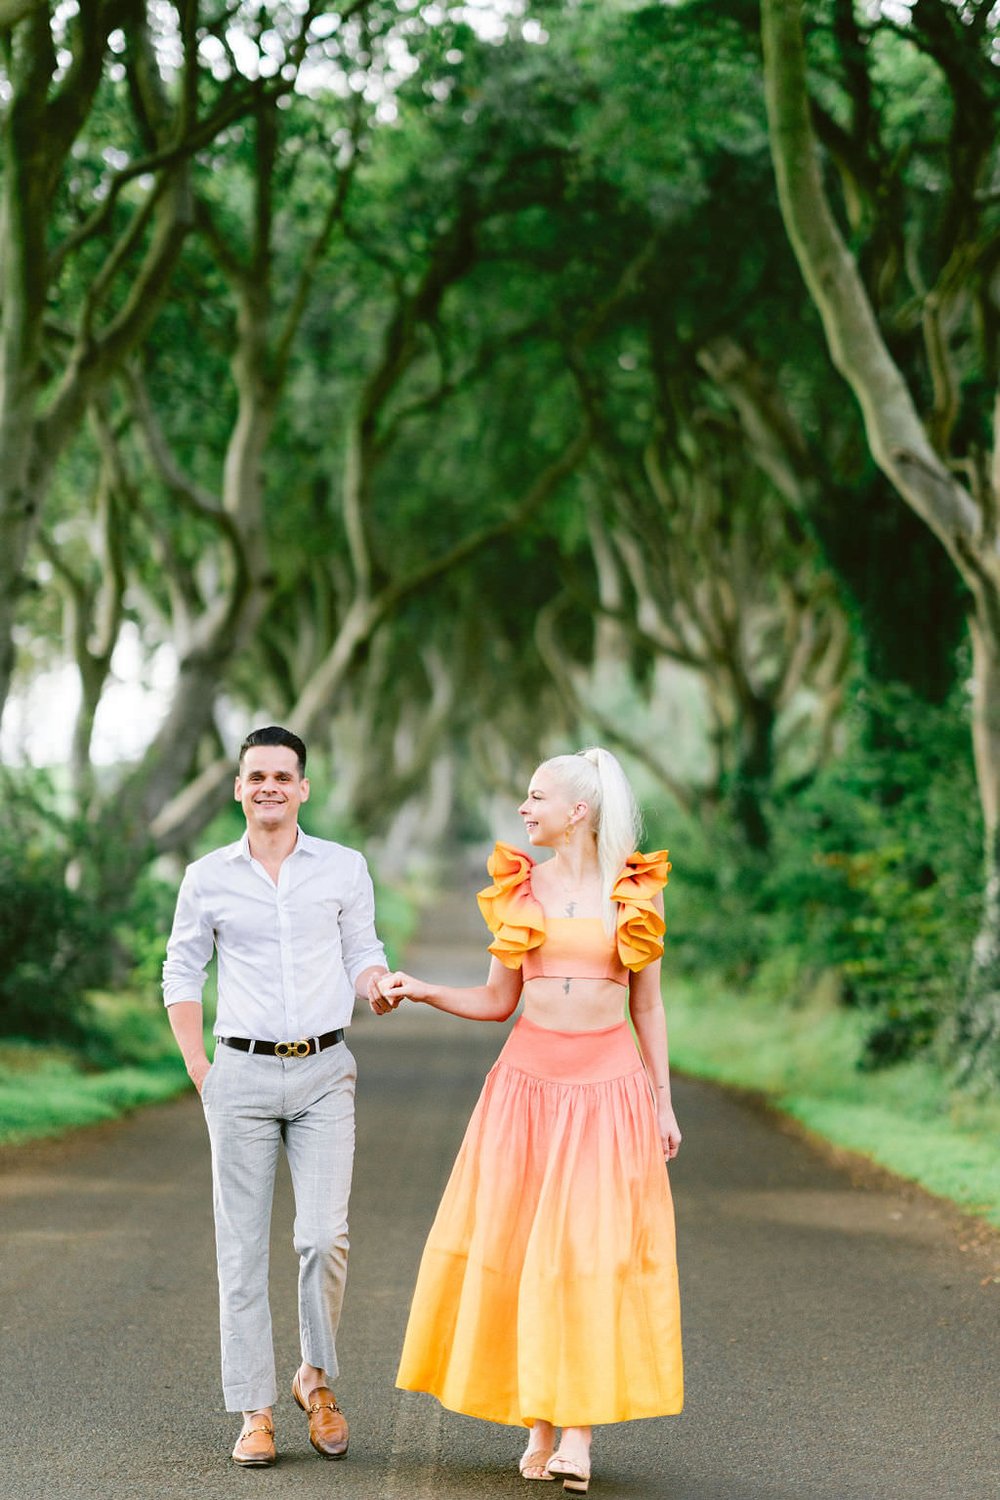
[[398, 986], [198, 1071], [368, 985], [375, 1000], [186, 1025]]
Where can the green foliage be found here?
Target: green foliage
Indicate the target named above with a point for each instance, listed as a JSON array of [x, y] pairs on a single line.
[[140, 932], [61, 945], [911, 620], [53, 944], [871, 889]]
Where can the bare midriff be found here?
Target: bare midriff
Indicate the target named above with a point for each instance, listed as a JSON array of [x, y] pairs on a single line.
[[574, 1004]]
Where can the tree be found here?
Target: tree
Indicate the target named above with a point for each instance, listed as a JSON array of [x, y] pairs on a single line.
[[224, 576], [924, 434], [96, 204]]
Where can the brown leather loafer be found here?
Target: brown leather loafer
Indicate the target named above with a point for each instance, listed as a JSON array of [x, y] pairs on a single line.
[[255, 1446], [327, 1423]]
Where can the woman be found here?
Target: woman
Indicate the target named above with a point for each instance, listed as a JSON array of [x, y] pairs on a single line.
[[547, 1293]]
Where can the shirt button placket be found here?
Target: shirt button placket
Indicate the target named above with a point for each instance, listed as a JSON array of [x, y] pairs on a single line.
[[287, 951]]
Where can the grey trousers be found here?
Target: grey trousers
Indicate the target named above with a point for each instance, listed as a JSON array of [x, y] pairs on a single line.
[[253, 1105]]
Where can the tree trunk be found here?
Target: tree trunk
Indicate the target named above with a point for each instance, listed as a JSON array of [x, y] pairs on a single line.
[[133, 822], [23, 287], [977, 1020], [754, 775], [896, 435]]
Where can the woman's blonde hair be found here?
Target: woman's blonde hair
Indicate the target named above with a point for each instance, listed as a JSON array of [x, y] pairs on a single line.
[[595, 776]]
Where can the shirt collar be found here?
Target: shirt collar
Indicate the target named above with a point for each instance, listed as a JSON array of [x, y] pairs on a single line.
[[304, 844]]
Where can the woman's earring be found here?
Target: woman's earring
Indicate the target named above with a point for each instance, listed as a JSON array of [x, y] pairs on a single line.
[[568, 833]]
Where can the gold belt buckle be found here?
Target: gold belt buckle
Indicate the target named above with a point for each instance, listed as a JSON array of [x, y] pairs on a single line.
[[292, 1049]]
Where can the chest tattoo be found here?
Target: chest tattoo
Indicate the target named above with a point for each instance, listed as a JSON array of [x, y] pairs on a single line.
[[570, 908], [566, 985]]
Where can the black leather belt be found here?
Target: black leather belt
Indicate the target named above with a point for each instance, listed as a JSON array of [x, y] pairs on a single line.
[[304, 1048]]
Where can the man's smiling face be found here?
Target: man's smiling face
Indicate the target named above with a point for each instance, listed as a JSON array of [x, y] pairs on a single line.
[[269, 787]]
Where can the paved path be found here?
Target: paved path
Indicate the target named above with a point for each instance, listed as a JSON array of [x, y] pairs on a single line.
[[841, 1344]]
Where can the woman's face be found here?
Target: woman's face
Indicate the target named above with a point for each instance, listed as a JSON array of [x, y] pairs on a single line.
[[547, 811]]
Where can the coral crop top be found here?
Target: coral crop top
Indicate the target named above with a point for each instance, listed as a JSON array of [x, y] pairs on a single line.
[[573, 947]]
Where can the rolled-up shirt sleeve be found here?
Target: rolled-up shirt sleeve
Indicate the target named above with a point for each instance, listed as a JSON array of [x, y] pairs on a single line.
[[189, 947], [360, 946]]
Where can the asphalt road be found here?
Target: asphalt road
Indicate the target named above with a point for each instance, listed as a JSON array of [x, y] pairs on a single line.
[[841, 1331]]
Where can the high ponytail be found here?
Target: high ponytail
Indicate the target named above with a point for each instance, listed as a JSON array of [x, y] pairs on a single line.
[[595, 776]]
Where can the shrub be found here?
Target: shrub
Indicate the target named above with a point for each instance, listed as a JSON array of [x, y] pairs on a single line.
[[54, 944], [874, 874]]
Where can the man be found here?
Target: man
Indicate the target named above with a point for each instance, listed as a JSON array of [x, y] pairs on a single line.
[[292, 920]]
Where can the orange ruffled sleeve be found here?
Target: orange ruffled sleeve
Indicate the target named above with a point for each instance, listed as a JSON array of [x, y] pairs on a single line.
[[640, 926], [509, 909]]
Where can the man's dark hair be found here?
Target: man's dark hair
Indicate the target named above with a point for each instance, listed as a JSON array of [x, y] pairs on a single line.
[[273, 734]]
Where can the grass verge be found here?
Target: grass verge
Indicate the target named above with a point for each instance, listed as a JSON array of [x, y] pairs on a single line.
[[907, 1118], [129, 1058], [50, 1096]]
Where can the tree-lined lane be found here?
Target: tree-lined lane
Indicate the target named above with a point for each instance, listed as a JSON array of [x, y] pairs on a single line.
[[839, 1342]]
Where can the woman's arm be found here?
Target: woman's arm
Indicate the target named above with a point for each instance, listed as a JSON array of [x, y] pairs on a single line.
[[645, 1003], [493, 1001]]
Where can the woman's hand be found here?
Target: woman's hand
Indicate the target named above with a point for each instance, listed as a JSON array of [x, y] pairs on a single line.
[[386, 992], [670, 1131]]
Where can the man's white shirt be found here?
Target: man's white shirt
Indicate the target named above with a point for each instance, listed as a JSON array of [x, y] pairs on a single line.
[[289, 954]]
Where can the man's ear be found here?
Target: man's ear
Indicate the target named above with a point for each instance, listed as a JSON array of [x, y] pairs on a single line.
[[304, 789], [238, 790]]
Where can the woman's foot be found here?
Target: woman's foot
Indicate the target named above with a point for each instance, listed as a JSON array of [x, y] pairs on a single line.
[[571, 1462], [575, 1477], [541, 1445]]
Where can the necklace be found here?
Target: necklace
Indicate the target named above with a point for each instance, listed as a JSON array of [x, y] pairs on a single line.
[[571, 894]]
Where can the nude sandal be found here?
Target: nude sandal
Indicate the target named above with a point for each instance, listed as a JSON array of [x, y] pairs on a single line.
[[538, 1458], [574, 1476]]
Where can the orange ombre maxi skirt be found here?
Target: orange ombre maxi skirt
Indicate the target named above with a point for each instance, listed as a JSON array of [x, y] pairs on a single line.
[[548, 1285]]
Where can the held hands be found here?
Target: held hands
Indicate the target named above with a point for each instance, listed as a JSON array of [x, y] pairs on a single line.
[[387, 990]]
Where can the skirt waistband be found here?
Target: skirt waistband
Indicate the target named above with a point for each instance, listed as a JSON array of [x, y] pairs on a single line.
[[571, 1056]]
